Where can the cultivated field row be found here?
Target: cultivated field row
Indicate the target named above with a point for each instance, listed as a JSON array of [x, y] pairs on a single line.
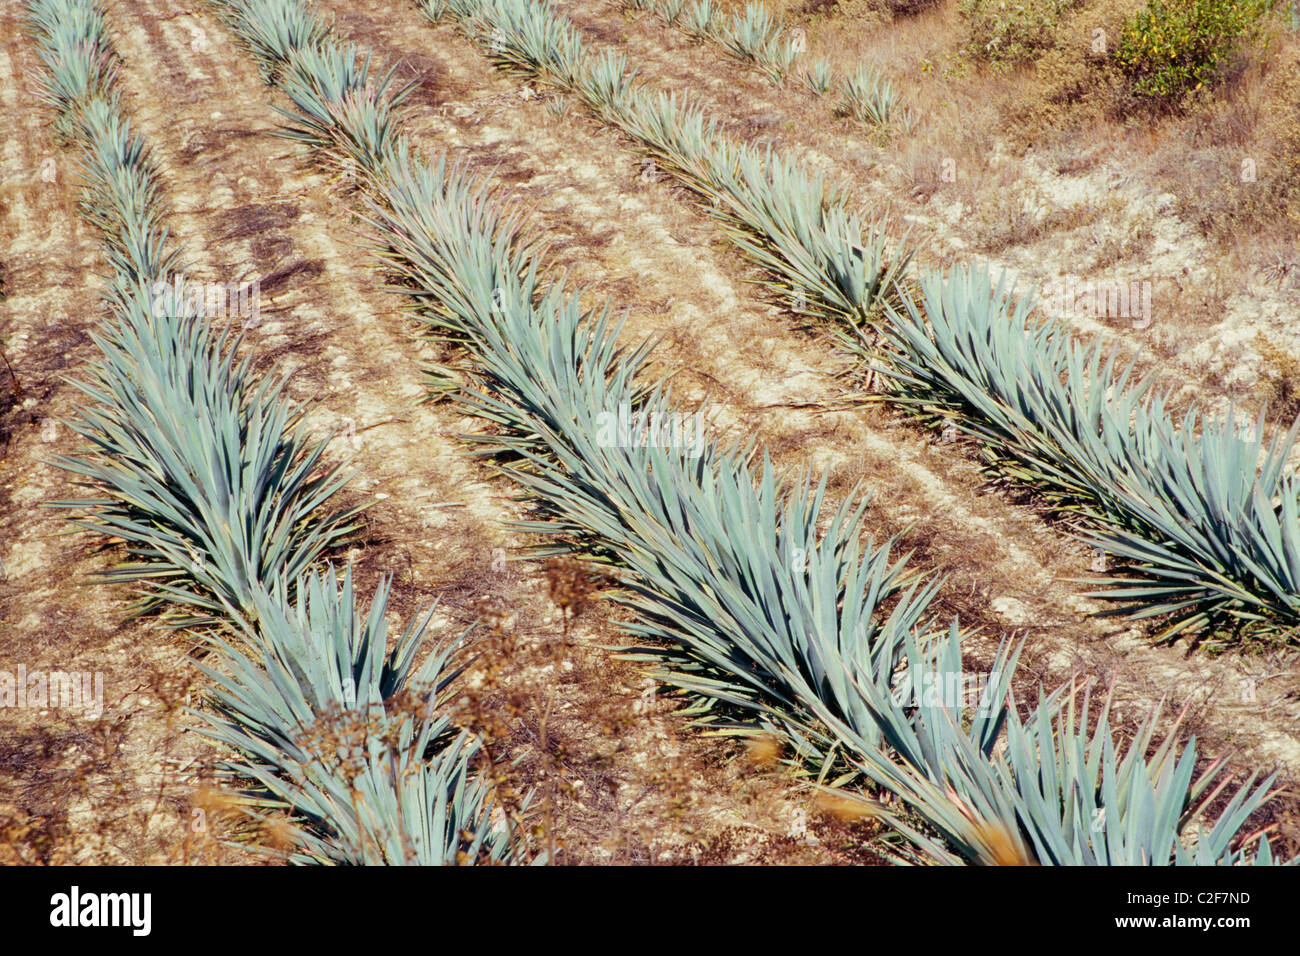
[[754, 379], [613, 795], [1207, 542], [220, 500], [839, 672], [1230, 472]]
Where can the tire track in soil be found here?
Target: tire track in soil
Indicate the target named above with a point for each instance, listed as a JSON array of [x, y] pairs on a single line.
[[640, 243], [247, 206]]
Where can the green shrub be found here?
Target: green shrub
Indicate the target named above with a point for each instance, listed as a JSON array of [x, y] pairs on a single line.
[[1012, 32], [1177, 46]]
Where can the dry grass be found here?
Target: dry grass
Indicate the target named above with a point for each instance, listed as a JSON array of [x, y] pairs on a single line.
[[71, 800], [1281, 378]]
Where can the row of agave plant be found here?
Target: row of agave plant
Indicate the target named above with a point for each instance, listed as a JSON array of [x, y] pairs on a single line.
[[207, 476], [1203, 514], [748, 591], [755, 37]]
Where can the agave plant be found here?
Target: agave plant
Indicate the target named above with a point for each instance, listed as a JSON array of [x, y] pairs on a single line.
[[869, 98], [122, 197], [670, 11], [270, 28], [213, 486], [701, 19], [526, 37], [1046, 789], [69, 83], [750, 35], [794, 225], [343, 735], [818, 76], [558, 106], [812, 242], [777, 61], [211, 482], [1085, 803], [335, 89], [816, 247], [607, 83], [437, 228], [681, 137], [798, 229], [1202, 515]]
